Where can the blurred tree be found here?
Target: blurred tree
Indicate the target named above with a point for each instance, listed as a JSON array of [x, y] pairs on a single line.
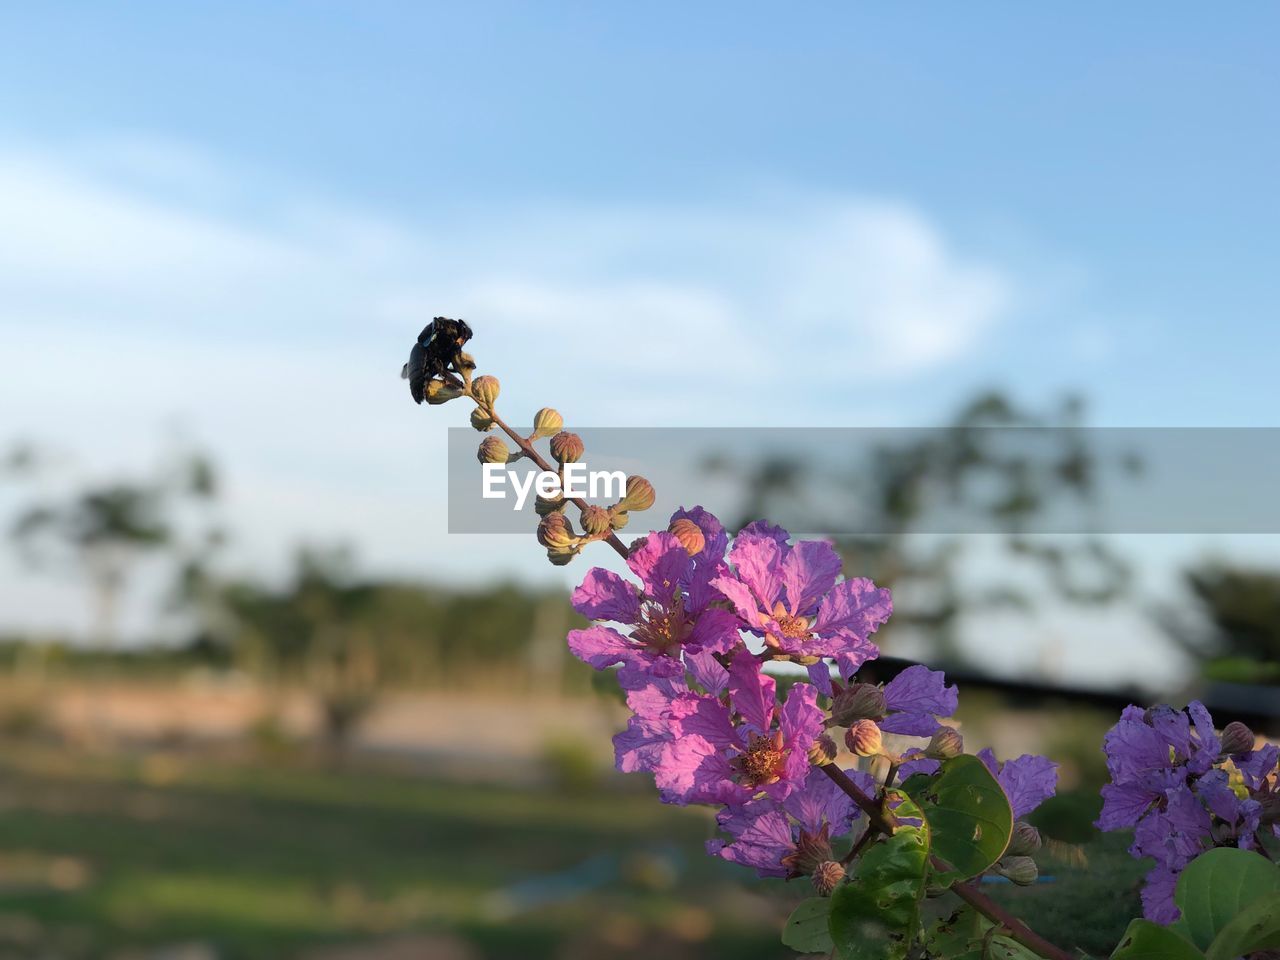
[[107, 528], [348, 639], [1234, 629], [999, 480]]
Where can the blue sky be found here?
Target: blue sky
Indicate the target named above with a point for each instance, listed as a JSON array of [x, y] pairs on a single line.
[[232, 219]]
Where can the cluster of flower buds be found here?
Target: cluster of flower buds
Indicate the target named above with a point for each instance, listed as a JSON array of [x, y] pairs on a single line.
[[1018, 864], [909, 704], [433, 363], [555, 531]]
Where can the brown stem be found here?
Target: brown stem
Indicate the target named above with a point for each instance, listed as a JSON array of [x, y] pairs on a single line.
[[1017, 929], [528, 450], [880, 819], [862, 841], [885, 823]]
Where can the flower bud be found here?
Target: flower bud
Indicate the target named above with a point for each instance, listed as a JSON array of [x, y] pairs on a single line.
[[810, 851], [485, 390], [547, 423], [858, 701], [466, 363], [567, 447], [863, 739], [555, 532], [1020, 870], [1025, 840], [618, 518], [562, 558], [640, 495], [545, 505], [689, 534], [1236, 738], [481, 420], [826, 876], [945, 743], [595, 521], [493, 450], [438, 392], [823, 750]]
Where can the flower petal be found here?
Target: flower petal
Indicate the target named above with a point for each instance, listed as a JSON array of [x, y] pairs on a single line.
[[809, 571], [661, 563], [600, 647], [857, 605], [757, 562], [603, 595], [751, 692], [715, 630]]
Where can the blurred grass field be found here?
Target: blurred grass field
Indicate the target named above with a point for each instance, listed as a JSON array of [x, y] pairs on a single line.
[[106, 855], [181, 855]]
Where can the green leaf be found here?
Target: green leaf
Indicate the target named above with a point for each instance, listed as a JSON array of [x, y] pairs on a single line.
[[1218, 885], [1256, 927], [966, 935], [1144, 940], [876, 914], [807, 930], [970, 820]]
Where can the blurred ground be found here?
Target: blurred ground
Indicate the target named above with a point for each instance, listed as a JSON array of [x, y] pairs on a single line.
[[166, 853], [148, 821]]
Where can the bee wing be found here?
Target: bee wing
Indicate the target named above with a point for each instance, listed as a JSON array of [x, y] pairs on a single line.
[[404, 372]]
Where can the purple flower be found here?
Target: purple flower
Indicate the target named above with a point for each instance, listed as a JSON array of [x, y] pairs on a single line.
[[659, 708], [915, 699], [1150, 752], [1176, 831], [762, 838], [791, 837], [731, 754], [1157, 896], [1257, 766], [1027, 781], [789, 595], [665, 618], [1165, 783], [1241, 815]]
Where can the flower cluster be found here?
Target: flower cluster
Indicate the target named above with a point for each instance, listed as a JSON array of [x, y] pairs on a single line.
[[1185, 789], [690, 640]]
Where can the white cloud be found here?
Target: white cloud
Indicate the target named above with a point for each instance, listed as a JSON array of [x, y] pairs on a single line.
[[137, 287]]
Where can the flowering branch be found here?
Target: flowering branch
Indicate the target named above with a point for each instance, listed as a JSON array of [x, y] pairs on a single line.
[[531, 452], [689, 642]]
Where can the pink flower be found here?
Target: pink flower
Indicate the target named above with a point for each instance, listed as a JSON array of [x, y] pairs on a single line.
[[733, 753], [790, 596], [669, 614], [791, 837]]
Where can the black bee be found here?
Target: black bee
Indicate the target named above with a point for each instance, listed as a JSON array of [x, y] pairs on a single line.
[[438, 350]]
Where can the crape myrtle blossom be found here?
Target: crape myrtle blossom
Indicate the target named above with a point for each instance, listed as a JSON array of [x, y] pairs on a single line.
[[706, 720], [789, 595], [1184, 790], [790, 838], [671, 611], [733, 751], [703, 747]]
